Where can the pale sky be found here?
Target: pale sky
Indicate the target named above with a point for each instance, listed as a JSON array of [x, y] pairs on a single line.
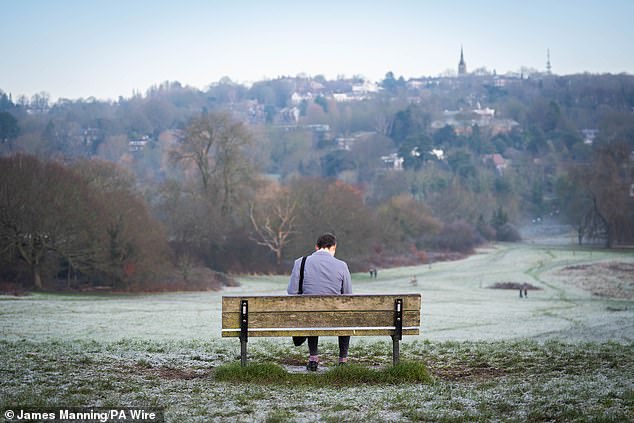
[[110, 48]]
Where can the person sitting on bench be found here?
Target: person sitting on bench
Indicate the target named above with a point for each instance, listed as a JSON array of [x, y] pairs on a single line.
[[321, 274]]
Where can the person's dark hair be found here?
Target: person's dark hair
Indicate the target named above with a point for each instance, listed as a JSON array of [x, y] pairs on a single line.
[[327, 240]]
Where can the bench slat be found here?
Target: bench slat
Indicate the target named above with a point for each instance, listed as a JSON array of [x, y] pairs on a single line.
[[311, 319], [322, 302], [229, 333]]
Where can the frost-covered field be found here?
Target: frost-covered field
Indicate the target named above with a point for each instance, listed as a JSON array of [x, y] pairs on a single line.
[[561, 354], [457, 303]]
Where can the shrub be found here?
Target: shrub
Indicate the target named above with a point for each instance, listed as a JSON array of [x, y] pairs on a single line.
[[457, 236], [486, 230], [198, 278], [508, 233]]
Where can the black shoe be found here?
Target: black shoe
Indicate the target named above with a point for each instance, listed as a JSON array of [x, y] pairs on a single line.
[[299, 340], [312, 366], [343, 363]]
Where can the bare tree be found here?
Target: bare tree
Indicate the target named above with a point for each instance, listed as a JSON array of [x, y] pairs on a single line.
[[40, 101], [215, 144], [273, 218], [606, 181], [383, 123]]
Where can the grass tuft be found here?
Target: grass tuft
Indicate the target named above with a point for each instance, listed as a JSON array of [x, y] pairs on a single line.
[[409, 371], [350, 375]]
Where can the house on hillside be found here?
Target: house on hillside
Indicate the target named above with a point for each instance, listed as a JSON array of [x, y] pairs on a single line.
[[393, 161], [345, 143], [316, 87], [297, 98], [288, 116], [496, 160], [463, 121], [254, 111], [589, 135], [502, 81], [91, 136], [341, 97], [137, 145], [366, 87]]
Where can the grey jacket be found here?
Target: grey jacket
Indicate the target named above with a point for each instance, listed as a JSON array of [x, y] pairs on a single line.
[[323, 275]]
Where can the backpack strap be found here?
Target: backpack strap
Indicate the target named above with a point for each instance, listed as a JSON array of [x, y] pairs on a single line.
[[301, 276]]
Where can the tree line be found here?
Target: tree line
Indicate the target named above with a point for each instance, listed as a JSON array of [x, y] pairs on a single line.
[[58, 222]]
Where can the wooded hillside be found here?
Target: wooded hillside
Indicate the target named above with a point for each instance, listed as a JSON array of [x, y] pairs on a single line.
[[153, 191]]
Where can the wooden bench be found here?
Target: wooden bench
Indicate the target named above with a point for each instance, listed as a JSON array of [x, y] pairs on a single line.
[[394, 315]]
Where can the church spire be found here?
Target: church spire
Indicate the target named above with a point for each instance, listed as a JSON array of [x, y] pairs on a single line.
[[462, 66]]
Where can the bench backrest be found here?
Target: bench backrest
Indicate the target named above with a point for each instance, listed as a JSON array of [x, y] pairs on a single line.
[[321, 315]]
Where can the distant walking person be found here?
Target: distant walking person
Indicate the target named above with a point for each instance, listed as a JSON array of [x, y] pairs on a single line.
[[323, 275]]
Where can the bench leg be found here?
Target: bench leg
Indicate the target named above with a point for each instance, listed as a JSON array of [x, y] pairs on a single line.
[[395, 350], [243, 352]]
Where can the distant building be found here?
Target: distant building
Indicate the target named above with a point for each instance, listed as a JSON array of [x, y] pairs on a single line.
[[297, 98], [137, 145], [393, 161], [288, 115], [318, 127], [365, 87], [316, 87], [344, 143], [462, 121], [439, 154], [462, 66], [506, 80], [496, 160], [589, 135], [91, 136], [502, 126], [341, 97]]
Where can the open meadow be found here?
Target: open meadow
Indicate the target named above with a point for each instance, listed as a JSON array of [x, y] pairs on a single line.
[[563, 353]]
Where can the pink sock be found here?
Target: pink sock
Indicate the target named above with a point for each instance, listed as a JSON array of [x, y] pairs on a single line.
[[313, 358], [343, 359]]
